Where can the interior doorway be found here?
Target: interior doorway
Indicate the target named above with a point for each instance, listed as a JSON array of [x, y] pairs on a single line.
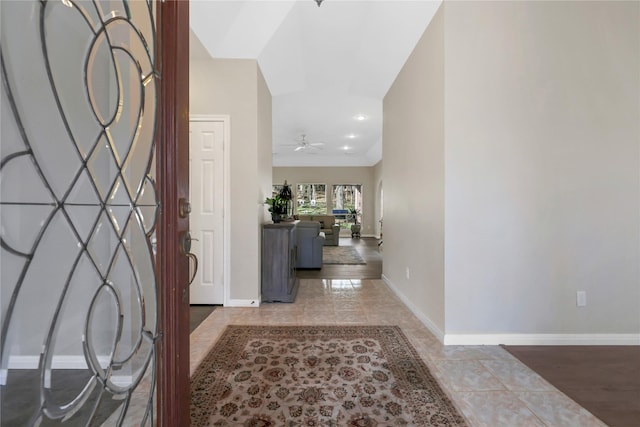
[[208, 172]]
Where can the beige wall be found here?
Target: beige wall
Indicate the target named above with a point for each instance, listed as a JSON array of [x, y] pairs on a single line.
[[542, 167], [236, 87], [265, 166], [336, 175], [413, 153], [539, 161], [379, 198]]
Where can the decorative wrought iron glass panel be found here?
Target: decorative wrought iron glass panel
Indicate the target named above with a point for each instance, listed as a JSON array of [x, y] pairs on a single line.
[[78, 212]]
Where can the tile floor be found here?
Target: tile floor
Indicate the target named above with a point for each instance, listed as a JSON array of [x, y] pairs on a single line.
[[489, 386]]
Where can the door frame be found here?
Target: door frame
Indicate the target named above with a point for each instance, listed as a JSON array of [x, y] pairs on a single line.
[[226, 194], [172, 166]]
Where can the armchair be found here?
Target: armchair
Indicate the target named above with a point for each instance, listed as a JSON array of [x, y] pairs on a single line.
[[328, 226]]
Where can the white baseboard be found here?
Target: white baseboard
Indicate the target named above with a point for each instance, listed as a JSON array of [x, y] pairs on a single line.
[[514, 339], [28, 362], [420, 315], [542, 339], [61, 362], [243, 303], [58, 362]]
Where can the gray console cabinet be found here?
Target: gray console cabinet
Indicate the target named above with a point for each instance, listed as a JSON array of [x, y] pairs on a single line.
[[279, 258]]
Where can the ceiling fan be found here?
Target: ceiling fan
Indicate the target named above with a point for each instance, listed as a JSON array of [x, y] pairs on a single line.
[[304, 144]]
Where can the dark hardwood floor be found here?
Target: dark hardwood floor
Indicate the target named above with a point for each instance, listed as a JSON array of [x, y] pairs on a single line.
[[368, 249], [21, 397], [605, 380], [197, 313]]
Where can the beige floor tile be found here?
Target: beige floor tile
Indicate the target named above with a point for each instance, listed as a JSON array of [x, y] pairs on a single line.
[[457, 352], [495, 409], [516, 376], [556, 409], [468, 375], [350, 317], [489, 385]]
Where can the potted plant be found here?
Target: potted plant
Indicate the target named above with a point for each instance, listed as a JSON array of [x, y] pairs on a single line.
[[355, 227], [277, 207]]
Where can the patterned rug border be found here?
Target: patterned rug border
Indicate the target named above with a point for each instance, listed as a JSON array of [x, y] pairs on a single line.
[[404, 367]]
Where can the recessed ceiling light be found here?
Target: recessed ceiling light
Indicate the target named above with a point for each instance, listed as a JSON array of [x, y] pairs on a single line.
[[360, 117], [346, 147], [351, 136]]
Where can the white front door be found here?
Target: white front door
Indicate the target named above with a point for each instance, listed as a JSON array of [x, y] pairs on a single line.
[[207, 207]]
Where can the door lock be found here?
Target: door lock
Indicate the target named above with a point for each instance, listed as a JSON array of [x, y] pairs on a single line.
[[185, 249], [184, 208]]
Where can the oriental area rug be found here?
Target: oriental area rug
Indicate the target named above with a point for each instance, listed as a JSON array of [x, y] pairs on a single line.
[[317, 376], [341, 255]]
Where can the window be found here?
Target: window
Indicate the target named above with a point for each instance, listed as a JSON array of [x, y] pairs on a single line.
[[345, 198], [311, 199]]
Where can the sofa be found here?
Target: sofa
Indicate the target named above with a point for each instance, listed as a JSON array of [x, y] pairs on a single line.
[[328, 226], [310, 241]]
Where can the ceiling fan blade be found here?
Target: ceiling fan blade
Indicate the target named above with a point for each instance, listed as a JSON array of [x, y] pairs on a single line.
[[316, 143], [299, 148]]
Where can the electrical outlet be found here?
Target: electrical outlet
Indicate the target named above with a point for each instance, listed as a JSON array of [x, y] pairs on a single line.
[[581, 298], [408, 273]]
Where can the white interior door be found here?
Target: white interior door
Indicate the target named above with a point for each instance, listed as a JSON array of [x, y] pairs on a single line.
[[207, 207]]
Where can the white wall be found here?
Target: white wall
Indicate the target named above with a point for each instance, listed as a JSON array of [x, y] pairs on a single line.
[[336, 175], [413, 153], [236, 87], [539, 161], [542, 167]]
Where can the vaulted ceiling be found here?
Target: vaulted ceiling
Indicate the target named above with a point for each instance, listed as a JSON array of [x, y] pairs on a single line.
[[325, 67]]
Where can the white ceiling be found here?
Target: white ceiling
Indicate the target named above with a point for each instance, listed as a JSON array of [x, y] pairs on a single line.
[[323, 65]]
